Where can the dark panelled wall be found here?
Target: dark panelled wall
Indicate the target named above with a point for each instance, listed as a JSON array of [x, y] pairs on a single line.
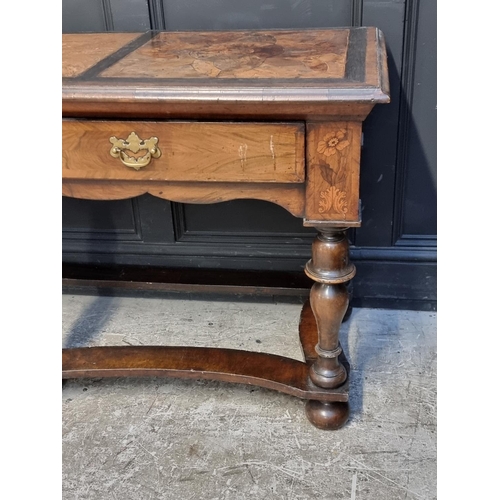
[[394, 250]]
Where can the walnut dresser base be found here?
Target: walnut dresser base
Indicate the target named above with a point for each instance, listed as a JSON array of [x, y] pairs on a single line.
[[205, 117]]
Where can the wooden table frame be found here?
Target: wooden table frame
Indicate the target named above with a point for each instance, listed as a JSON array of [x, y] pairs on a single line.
[[312, 102]]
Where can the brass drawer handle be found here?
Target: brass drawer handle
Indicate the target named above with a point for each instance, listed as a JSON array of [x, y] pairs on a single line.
[[135, 144]]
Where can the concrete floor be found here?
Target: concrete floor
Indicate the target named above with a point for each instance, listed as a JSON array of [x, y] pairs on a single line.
[[142, 439]]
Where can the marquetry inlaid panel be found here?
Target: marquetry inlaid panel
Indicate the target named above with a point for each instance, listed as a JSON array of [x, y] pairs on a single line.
[[238, 54], [82, 51], [332, 191]]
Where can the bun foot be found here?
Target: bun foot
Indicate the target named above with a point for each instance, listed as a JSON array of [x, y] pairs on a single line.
[[327, 415]]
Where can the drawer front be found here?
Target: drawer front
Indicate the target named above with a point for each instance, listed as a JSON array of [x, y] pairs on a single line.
[[184, 151]]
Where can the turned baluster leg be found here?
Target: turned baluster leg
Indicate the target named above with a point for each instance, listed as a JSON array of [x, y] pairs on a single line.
[[331, 269]]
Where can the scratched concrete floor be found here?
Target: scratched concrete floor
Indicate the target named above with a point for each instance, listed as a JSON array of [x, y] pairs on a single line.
[[172, 439]]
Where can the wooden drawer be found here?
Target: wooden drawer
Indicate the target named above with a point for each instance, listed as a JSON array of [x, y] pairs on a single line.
[[188, 151]]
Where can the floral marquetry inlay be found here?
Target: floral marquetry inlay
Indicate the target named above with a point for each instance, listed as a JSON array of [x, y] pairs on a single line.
[[333, 162], [239, 54], [333, 142], [333, 171]]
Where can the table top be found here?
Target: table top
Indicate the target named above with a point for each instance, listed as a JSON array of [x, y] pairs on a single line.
[[245, 67]]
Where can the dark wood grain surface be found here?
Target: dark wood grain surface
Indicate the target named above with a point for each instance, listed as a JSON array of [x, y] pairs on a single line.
[[286, 375]]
